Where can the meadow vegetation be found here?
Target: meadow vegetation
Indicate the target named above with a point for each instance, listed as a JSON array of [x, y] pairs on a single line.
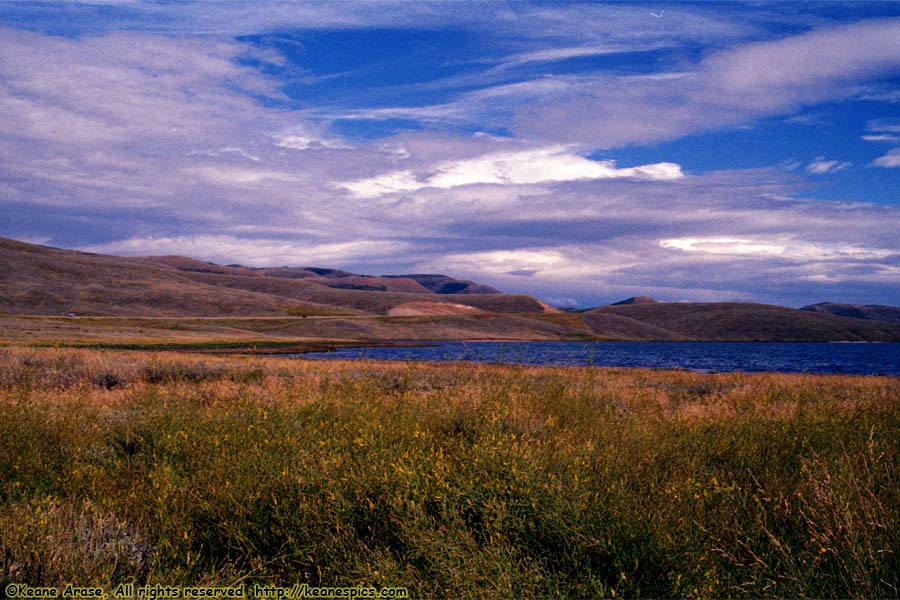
[[451, 480]]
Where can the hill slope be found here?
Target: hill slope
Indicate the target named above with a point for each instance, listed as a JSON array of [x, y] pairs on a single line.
[[441, 284], [42, 280], [37, 280], [731, 321], [333, 278], [868, 312], [635, 300]]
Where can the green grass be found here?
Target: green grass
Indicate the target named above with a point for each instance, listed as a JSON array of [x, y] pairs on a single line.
[[450, 480], [249, 346]]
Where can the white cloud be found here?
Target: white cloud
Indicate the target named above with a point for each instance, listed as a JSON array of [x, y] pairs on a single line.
[[891, 159], [124, 88], [804, 67], [250, 251], [724, 245], [399, 181], [236, 176], [887, 130], [570, 25], [891, 96], [225, 151], [306, 139], [524, 167], [884, 125], [787, 248], [557, 263], [556, 54], [882, 137], [821, 166], [135, 134], [730, 87]]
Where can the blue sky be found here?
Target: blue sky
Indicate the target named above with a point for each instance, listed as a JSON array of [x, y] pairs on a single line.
[[582, 152]]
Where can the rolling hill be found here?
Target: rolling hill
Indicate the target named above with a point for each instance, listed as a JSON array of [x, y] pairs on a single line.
[[867, 312], [731, 321], [323, 303], [635, 300], [51, 281]]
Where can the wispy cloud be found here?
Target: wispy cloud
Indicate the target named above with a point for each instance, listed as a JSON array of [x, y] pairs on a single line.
[[558, 54], [176, 144], [882, 137], [807, 67], [122, 88], [729, 87], [891, 159], [522, 167], [885, 130], [579, 24], [822, 166], [252, 251], [796, 250]]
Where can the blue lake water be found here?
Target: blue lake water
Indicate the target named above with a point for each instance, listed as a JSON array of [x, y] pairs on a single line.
[[847, 358]]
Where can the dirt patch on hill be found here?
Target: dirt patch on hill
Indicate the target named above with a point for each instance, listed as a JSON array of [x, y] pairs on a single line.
[[419, 309]]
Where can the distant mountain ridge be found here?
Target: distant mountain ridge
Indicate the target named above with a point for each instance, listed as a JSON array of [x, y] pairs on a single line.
[[334, 278], [38, 280], [733, 321], [868, 312], [635, 300], [441, 284]]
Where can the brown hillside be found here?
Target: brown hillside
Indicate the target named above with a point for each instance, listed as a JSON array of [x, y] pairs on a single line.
[[375, 284], [635, 300], [333, 278], [42, 280], [621, 327], [441, 284], [363, 300], [868, 312], [183, 263], [734, 321], [37, 280]]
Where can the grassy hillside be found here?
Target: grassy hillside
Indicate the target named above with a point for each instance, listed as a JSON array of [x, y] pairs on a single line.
[[327, 277], [263, 332], [361, 300], [441, 284], [869, 312], [732, 321], [453, 481], [38, 280], [42, 280]]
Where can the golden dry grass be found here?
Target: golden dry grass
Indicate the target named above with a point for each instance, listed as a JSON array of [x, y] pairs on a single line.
[[212, 332], [452, 480]]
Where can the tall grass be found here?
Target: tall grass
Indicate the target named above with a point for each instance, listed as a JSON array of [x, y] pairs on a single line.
[[450, 480]]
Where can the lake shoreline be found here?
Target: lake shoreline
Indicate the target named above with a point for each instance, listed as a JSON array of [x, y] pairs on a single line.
[[881, 358]]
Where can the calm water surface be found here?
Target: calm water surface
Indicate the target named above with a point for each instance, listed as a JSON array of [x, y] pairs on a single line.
[[852, 358]]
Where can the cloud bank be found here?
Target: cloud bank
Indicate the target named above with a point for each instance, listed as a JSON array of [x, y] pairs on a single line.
[[155, 142]]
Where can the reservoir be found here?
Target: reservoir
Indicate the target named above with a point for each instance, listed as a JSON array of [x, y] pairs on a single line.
[[811, 357]]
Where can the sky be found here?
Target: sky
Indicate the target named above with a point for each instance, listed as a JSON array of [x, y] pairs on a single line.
[[581, 152]]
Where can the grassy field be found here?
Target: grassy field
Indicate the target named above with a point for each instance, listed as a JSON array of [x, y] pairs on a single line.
[[450, 480], [160, 333]]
